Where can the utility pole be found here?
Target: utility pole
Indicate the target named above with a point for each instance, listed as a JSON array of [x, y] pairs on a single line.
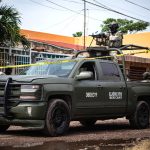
[[84, 23]]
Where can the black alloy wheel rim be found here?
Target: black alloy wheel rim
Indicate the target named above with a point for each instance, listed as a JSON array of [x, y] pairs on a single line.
[[143, 115], [59, 116]]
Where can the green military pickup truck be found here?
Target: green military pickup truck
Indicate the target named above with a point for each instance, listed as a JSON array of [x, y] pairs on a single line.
[[49, 96]]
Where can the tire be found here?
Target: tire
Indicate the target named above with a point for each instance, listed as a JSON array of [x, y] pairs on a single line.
[[57, 118], [3, 128], [140, 118], [88, 123]]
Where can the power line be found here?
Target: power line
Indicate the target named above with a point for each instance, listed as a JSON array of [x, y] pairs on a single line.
[[44, 5], [72, 1], [112, 10], [62, 10], [119, 8], [70, 22], [61, 6], [137, 5], [108, 8], [66, 19], [100, 4], [70, 9]]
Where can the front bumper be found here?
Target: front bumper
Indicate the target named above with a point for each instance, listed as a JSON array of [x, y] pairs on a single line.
[[24, 123], [30, 114]]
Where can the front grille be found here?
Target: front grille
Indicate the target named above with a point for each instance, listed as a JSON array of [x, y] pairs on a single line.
[[14, 93], [2, 88]]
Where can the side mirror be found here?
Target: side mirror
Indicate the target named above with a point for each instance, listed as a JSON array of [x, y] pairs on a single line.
[[84, 75]]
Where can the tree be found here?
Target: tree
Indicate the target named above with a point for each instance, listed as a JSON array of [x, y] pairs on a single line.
[[77, 34], [125, 25], [10, 29]]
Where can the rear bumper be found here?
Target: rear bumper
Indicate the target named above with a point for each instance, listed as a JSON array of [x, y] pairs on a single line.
[[30, 114]]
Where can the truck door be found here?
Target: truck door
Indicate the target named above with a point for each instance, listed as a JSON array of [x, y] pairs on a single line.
[[86, 91], [113, 87]]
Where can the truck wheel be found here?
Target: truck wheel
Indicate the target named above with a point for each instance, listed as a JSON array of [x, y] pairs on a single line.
[[88, 123], [140, 118], [3, 128], [57, 118]]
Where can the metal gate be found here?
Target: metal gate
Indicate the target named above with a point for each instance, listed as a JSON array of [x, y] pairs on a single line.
[[4, 58]]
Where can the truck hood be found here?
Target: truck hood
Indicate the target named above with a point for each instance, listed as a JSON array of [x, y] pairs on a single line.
[[25, 78]]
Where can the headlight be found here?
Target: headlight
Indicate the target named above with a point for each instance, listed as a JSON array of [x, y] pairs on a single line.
[[29, 88], [30, 92], [28, 97]]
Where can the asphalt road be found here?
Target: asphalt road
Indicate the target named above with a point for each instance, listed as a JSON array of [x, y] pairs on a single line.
[[105, 134]]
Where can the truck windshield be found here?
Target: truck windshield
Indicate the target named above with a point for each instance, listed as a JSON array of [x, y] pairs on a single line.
[[57, 69]]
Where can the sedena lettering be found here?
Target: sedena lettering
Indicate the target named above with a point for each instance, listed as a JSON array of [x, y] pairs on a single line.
[[115, 95]]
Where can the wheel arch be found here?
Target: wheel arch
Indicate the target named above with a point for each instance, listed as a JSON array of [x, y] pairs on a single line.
[[145, 98], [66, 98], [132, 105], [140, 118]]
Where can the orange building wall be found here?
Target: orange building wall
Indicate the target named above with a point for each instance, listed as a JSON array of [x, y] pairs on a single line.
[[142, 39], [80, 41]]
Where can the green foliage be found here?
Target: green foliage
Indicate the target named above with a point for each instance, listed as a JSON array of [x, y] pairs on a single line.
[[9, 27], [125, 25], [77, 34]]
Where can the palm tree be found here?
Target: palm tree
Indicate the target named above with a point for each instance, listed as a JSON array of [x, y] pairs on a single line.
[[9, 27]]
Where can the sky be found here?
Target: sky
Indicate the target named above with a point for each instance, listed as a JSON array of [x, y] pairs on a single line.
[[65, 17]]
